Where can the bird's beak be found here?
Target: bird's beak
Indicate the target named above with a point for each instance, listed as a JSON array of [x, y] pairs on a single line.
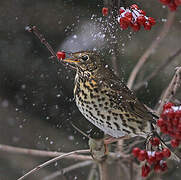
[[71, 60]]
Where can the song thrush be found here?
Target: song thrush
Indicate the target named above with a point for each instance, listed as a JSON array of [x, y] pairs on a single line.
[[105, 100]]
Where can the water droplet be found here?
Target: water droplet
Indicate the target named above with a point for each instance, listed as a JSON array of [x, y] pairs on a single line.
[[58, 95], [20, 126], [5, 104], [47, 117], [23, 86], [71, 138]]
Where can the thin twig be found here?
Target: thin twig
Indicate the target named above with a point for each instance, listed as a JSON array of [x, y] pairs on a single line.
[[51, 161], [103, 171], [152, 47], [34, 30], [171, 90], [68, 169], [124, 170], [40, 153], [93, 174], [160, 68]]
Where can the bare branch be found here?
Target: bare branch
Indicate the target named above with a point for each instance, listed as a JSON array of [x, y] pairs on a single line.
[[34, 30], [157, 70], [152, 47], [68, 169], [171, 90], [93, 174], [40, 153], [51, 161], [103, 171]]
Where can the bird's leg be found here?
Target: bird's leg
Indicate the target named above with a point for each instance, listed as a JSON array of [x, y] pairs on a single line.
[[98, 149], [110, 139], [148, 140]]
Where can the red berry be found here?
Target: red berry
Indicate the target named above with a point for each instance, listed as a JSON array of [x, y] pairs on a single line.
[[142, 155], [159, 155], [134, 6], [164, 116], [172, 6], [105, 11], [174, 143], [179, 127], [141, 20], [166, 152], [143, 12], [147, 25], [145, 170], [177, 2], [170, 114], [168, 105], [157, 167], [171, 133], [136, 151], [178, 135], [164, 129], [135, 26], [160, 122], [178, 115], [60, 55], [124, 22], [175, 122], [165, 1], [155, 141], [151, 159], [128, 15], [121, 10], [170, 126], [152, 21], [164, 166]]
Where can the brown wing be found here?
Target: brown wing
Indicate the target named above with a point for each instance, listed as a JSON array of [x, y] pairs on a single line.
[[135, 114], [128, 100]]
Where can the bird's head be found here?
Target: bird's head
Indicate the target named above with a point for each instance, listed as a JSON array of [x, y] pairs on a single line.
[[85, 60]]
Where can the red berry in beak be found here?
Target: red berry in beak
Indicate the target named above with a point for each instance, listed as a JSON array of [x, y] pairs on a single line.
[[60, 55]]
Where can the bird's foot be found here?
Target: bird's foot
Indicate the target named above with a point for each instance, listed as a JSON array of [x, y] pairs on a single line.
[[99, 150]]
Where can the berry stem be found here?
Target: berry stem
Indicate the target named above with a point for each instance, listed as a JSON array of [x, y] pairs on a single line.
[[171, 90], [34, 30]]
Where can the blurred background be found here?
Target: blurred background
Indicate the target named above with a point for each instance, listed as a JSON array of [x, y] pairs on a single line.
[[36, 92]]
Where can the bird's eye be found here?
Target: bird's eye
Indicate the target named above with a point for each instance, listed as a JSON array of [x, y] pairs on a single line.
[[85, 57]]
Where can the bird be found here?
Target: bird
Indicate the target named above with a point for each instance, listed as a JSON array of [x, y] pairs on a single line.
[[105, 100]]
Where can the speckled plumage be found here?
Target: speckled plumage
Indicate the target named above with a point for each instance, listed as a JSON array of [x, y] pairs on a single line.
[[106, 101]]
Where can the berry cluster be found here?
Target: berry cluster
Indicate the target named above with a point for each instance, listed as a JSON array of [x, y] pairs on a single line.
[[170, 123], [134, 17], [105, 11], [60, 55], [154, 159], [172, 4]]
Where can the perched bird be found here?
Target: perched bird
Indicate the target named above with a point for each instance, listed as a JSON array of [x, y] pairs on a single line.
[[105, 100]]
